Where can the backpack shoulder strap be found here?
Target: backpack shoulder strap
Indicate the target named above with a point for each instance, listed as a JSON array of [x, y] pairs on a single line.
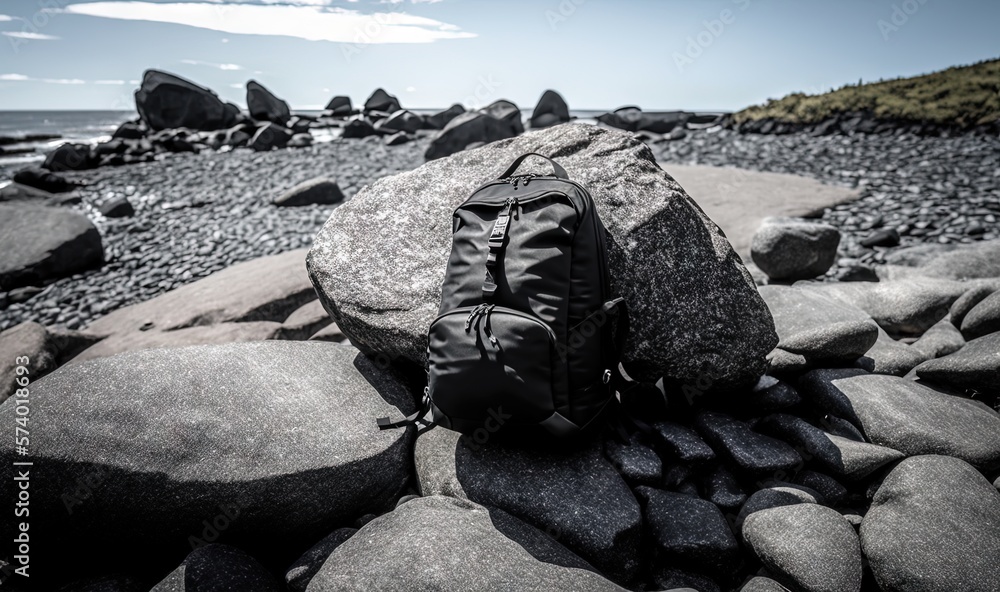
[[559, 170]]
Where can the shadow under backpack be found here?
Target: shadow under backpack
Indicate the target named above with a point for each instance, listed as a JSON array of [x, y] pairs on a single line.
[[528, 338]]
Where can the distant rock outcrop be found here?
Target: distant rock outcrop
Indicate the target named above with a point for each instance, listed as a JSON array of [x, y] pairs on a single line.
[[165, 101], [264, 106]]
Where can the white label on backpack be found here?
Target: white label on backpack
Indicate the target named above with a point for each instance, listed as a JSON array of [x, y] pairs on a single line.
[[500, 228]]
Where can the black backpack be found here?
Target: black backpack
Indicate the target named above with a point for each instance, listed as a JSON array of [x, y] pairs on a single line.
[[528, 338]]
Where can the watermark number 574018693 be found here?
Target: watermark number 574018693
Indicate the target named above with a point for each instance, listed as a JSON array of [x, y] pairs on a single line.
[[22, 466]]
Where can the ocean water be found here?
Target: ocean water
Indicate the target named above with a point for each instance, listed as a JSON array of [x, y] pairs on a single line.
[[17, 149]]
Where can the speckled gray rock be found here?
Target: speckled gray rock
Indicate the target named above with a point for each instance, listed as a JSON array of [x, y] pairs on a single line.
[[763, 584], [321, 190], [844, 457], [794, 249], [974, 367], [468, 128], [750, 452], [681, 442], [264, 106], [260, 445], [40, 243], [940, 340], [45, 350], [909, 417], [984, 318], [888, 356], [901, 306], [694, 306], [264, 289], [721, 488], [305, 321], [816, 326], [636, 462], [773, 497], [934, 526], [206, 335], [957, 262], [813, 547], [576, 496], [445, 544], [218, 568], [832, 491], [689, 533], [305, 567], [967, 302]]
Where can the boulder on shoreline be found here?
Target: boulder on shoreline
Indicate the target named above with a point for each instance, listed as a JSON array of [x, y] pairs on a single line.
[[790, 249], [39, 243], [550, 110], [166, 101], [696, 313], [381, 102], [264, 106], [340, 106]]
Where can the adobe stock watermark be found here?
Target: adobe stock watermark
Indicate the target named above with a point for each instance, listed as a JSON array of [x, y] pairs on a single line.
[[711, 30], [898, 17], [31, 27], [483, 93], [562, 12], [368, 34]]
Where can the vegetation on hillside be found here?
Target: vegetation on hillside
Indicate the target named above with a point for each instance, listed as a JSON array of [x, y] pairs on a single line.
[[963, 96]]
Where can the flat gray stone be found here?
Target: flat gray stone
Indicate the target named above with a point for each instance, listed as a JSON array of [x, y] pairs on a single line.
[[264, 289], [816, 326], [843, 457], [940, 340], [576, 496], [975, 367], [762, 584], [967, 302], [300, 573], [204, 335], [956, 262], [694, 306], [39, 243], [984, 318], [445, 544], [305, 321], [260, 445], [750, 452], [810, 546], [794, 249], [889, 356], [901, 306], [681, 442], [44, 349], [773, 497], [934, 526], [909, 417]]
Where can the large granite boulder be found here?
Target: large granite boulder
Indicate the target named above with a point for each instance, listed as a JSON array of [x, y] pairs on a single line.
[[39, 243], [70, 157], [507, 112], [576, 497], [934, 526], [267, 446], [37, 349], [264, 106], [340, 106], [448, 545], [440, 119], [975, 367], [168, 101], [696, 314]]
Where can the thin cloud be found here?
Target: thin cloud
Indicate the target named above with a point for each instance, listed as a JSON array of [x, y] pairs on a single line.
[[311, 22], [30, 35], [213, 65], [23, 78], [113, 82], [6, 18]]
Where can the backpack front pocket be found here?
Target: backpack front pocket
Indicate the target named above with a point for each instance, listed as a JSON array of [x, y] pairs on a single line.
[[492, 363]]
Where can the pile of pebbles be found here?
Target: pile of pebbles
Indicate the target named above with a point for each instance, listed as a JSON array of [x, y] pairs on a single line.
[[198, 213], [914, 189]]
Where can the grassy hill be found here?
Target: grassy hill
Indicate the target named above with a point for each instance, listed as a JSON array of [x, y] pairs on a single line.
[[963, 96]]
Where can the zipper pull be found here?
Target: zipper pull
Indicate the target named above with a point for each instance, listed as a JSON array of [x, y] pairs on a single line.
[[488, 329], [472, 316]]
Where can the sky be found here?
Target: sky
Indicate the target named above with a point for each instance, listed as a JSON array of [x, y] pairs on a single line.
[[599, 54]]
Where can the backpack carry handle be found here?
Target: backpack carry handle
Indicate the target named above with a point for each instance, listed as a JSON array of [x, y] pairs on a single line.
[[560, 172]]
